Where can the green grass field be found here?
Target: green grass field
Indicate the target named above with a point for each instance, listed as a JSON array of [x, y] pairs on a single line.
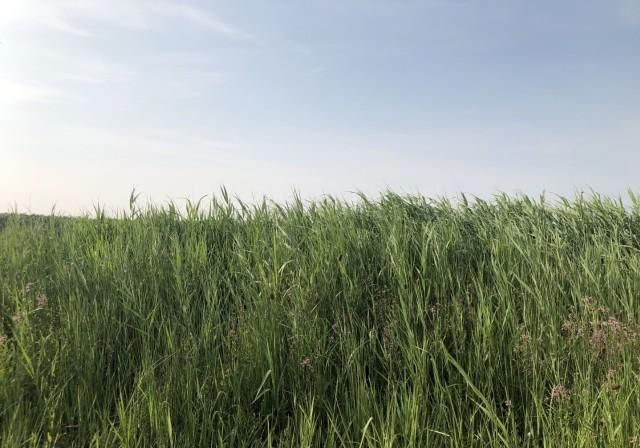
[[394, 322]]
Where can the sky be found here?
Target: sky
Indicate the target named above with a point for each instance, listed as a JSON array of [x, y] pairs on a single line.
[[438, 97]]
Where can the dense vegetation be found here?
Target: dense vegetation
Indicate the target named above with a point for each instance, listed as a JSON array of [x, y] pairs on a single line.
[[396, 322]]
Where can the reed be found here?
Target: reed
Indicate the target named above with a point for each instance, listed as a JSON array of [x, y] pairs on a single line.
[[390, 322]]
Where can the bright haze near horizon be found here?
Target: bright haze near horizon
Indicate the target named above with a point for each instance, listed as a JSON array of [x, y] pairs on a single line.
[[438, 97]]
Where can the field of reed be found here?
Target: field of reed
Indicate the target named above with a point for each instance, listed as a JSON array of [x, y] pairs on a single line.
[[398, 321]]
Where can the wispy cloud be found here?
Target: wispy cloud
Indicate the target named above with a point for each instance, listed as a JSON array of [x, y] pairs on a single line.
[[14, 93], [51, 15], [194, 84], [59, 23], [65, 15], [97, 72], [206, 20], [317, 71]]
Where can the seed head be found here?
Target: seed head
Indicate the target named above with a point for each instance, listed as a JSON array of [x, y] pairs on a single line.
[[588, 301], [559, 392], [507, 405], [598, 340], [307, 363], [613, 324], [41, 301]]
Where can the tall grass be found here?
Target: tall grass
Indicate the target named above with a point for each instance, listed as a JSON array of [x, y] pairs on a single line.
[[393, 322]]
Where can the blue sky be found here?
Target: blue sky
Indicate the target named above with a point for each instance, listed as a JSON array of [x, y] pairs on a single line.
[[176, 98]]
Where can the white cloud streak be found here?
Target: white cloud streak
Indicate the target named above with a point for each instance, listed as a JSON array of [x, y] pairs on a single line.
[[206, 20], [51, 15], [13, 93], [65, 16]]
